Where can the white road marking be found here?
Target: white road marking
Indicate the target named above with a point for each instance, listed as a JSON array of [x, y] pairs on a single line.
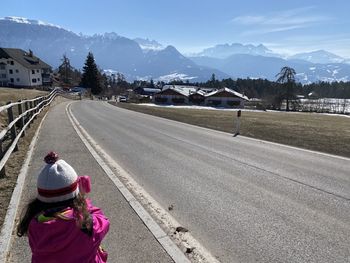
[[183, 239]]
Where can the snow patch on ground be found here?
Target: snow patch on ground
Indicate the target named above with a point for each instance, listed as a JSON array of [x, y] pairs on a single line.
[[230, 109]]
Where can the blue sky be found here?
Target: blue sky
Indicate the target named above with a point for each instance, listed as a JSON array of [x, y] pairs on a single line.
[[283, 26]]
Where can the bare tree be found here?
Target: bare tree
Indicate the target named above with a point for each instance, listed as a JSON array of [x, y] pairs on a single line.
[[287, 78]]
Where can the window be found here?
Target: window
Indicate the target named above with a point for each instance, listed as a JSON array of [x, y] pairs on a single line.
[[34, 80], [11, 62], [3, 76], [11, 80], [33, 71], [37, 71], [11, 71], [8, 61], [38, 79], [17, 79], [2, 66], [17, 71]]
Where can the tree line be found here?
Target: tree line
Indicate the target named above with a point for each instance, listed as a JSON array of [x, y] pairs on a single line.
[[284, 88]]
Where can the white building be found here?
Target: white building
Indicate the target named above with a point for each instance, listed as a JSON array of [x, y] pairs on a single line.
[[225, 97], [19, 68]]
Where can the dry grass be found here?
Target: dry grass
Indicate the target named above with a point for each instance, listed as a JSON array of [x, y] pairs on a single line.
[[13, 95], [14, 164], [324, 133], [8, 94]]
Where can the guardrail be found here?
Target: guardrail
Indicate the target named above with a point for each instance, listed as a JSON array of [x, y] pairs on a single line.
[[27, 111]]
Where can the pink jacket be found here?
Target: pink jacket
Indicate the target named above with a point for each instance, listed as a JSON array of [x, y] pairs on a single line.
[[61, 240]]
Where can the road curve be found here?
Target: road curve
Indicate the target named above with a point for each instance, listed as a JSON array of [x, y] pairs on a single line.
[[244, 200]]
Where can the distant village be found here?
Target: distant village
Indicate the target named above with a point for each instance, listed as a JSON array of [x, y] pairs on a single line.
[[19, 68], [23, 69]]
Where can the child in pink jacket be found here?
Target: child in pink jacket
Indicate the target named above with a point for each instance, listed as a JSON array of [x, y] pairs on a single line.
[[62, 225]]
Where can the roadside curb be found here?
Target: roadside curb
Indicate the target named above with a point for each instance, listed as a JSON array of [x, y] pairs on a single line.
[[164, 240], [9, 222]]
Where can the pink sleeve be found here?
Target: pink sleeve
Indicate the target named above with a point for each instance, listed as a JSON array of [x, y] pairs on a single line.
[[100, 222]]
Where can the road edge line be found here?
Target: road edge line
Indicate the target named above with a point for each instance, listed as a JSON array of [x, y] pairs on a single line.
[[164, 240], [12, 210]]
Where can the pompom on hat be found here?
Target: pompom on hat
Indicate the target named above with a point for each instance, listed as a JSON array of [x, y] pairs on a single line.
[[57, 181]]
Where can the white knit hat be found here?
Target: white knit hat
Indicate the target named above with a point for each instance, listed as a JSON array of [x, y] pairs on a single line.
[[57, 181]]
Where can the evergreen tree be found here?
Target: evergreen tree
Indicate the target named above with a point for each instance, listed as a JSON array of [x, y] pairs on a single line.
[[91, 75]]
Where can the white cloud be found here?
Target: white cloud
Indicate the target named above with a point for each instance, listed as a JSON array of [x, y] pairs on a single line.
[[280, 21]]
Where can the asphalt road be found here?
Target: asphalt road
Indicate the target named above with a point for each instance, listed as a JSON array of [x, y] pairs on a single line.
[[244, 200], [128, 239]]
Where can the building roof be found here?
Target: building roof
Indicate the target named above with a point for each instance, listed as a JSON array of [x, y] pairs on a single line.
[[154, 90], [235, 93], [182, 89], [200, 92], [26, 59]]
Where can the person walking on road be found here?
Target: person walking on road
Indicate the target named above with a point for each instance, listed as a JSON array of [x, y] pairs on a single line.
[[61, 224]]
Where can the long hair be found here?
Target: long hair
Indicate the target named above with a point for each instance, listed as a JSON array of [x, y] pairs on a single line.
[[35, 207]]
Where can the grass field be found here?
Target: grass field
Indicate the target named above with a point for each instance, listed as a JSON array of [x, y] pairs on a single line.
[[16, 160], [8, 94], [13, 95], [320, 132]]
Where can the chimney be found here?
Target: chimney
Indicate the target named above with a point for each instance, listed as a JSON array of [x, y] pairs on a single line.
[[30, 53]]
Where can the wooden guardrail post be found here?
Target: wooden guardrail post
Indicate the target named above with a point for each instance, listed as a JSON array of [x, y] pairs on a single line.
[[2, 172], [36, 110], [32, 112], [26, 107], [21, 121], [13, 129], [40, 100]]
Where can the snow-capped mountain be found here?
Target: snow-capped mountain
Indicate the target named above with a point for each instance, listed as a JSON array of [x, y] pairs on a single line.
[[146, 44], [227, 50], [318, 56], [243, 66], [110, 50], [146, 59], [23, 20]]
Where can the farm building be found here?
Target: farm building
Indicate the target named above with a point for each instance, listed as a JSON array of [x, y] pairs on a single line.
[[192, 95], [146, 91], [22, 69], [225, 97], [173, 94], [197, 97]]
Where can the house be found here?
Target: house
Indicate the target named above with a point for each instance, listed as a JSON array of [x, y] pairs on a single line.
[[225, 97], [177, 94], [197, 98], [181, 94], [312, 95], [146, 91], [19, 68], [172, 94]]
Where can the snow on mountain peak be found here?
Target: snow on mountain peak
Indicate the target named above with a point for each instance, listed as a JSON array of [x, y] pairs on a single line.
[[23, 20], [146, 44], [318, 56]]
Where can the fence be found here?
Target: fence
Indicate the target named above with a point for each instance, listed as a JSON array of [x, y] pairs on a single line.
[[26, 110]]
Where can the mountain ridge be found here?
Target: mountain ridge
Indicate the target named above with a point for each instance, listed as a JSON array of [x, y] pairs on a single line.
[[145, 59], [111, 51]]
